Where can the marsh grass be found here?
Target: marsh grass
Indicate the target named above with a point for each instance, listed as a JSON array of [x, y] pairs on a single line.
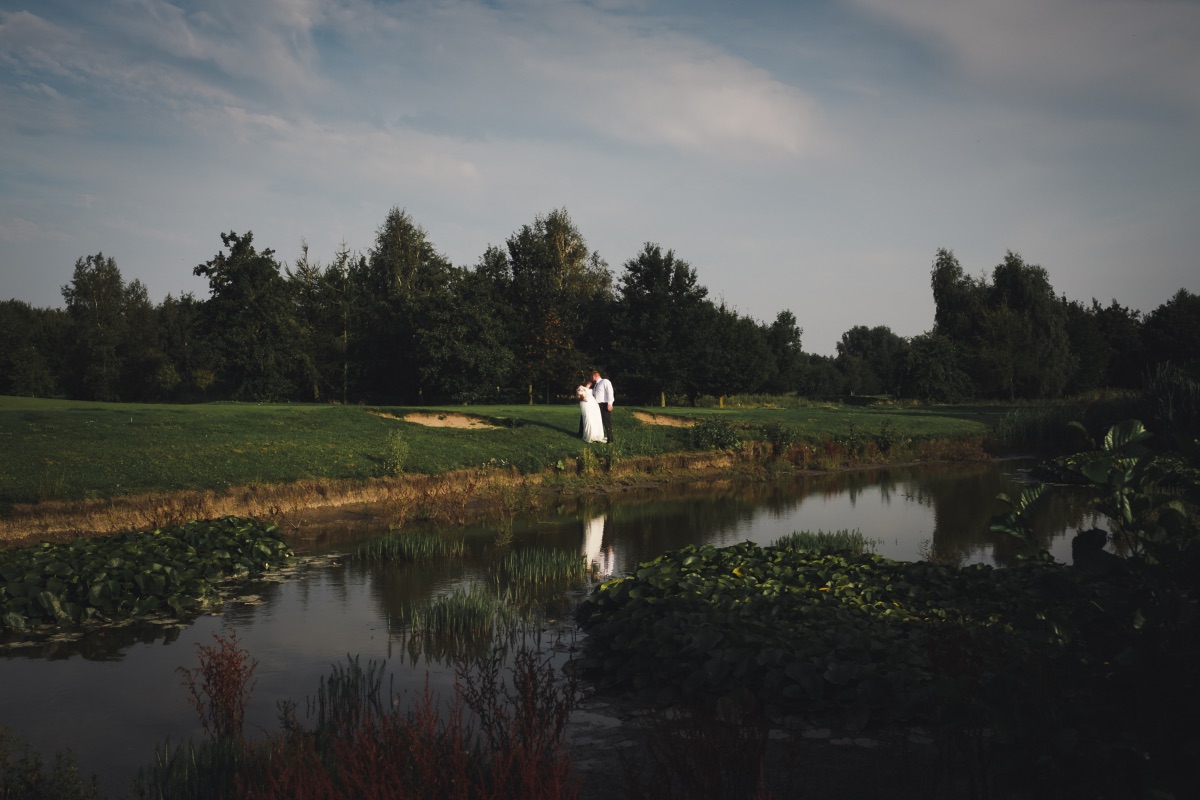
[[518, 571], [464, 621], [843, 541], [411, 546]]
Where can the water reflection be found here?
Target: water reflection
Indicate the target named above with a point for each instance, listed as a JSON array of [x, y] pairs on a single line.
[[602, 558], [114, 695]]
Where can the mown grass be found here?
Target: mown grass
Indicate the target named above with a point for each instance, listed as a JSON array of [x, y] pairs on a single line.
[[70, 450]]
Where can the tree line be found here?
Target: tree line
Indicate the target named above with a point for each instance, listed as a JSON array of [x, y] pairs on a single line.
[[401, 324]]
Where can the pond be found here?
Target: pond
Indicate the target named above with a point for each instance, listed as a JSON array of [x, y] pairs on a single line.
[[114, 695]]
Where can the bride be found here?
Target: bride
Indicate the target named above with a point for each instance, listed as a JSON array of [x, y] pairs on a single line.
[[589, 410]]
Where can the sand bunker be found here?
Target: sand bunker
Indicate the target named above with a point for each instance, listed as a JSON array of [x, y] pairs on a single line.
[[664, 419], [449, 421], [435, 420]]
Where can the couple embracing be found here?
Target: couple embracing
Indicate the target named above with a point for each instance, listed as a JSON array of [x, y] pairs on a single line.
[[595, 408]]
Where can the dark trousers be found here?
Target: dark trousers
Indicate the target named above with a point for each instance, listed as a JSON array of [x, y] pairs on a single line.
[[606, 419]]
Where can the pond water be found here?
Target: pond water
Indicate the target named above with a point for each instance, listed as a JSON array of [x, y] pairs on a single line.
[[115, 695]]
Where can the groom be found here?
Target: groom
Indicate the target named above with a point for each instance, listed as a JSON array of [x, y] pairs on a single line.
[[602, 390]]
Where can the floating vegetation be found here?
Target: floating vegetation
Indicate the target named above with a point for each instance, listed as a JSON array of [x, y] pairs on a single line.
[[413, 546], [173, 571], [817, 631], [843, 541]]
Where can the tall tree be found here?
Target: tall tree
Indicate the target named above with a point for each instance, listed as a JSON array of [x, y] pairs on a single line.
[[958, 300], [406, 281], [1171, 332], [189, 347], [557, 285], [1089, 346], [783, 337], [872, 359], [97, 301], [1024, 344], [1121, 328], [251, 314], [731, 355], [659, 299]]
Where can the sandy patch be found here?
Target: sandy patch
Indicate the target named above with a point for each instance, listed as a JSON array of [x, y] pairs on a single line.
[[448, 421], [663, 419]]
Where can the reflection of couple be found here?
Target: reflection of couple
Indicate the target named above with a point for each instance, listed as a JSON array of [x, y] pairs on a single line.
[[595, 407]]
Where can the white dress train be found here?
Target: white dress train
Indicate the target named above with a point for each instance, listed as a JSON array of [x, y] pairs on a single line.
[[593, 426]]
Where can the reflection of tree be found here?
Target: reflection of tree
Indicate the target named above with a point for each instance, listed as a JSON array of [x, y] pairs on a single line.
[[962, 519]]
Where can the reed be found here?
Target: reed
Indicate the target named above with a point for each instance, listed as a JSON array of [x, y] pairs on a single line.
[[535, 567], [843, 541], [470, 614], [411, 546]]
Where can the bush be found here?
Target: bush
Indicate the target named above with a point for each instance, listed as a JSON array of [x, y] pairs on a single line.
[[715, 434]]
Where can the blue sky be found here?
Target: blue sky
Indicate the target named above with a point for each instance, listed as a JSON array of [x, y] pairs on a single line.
[[809, 156]]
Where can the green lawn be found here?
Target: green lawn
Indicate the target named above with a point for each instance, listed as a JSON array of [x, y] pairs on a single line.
[[61, 449]]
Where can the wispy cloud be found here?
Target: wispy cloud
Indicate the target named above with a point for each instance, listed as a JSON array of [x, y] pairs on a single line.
[[1074, 51]]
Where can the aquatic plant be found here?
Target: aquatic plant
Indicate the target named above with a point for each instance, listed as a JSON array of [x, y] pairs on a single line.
[[519, 570], [460, 619], [842, 541], [368, 744], [802, 629], [175, 571], [411, 546], [221, 685]]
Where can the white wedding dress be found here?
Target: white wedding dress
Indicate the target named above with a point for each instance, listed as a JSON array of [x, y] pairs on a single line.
[[593, 426]]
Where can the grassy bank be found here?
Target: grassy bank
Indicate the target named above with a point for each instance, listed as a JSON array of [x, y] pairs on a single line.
[[170, 463]]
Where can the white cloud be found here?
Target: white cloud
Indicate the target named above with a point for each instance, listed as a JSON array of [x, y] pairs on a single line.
[[1143, 49]]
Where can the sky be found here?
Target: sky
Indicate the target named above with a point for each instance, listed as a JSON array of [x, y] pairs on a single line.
[[801, 156]]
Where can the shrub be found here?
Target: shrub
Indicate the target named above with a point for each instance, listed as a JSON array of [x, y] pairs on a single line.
[[715, 434]]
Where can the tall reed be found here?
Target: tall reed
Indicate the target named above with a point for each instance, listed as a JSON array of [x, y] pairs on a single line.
[[411, 546], [844, 540]]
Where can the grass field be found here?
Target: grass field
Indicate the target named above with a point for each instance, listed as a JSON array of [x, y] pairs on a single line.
[[71, 450]]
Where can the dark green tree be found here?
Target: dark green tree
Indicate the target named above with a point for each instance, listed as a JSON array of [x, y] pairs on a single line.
[[109, 330], [732, 355], [872, 360], [465, 341], [33, 342], [933, 370], [1171, 332], [783, 337], [659, 299], [556, 290], [958, 299], [1023, 347], [819, 377], [1011, 332], [1121, 329], [251, 317], [406, 284], [1089, 346], [191, 364]]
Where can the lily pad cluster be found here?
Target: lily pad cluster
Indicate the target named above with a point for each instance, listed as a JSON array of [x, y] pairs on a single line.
[[175, 571], [860, 634]]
